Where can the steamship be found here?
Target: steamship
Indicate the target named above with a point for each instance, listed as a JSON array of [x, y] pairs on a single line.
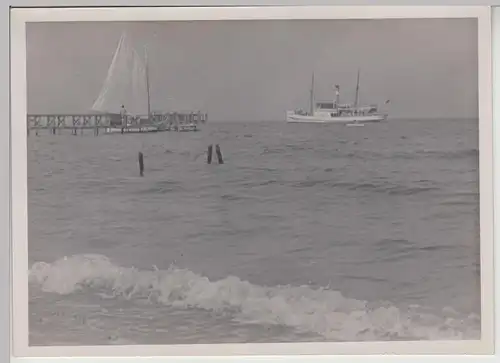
[[335, 112]]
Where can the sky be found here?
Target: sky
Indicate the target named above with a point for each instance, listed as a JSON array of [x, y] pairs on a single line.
[[255, 70]]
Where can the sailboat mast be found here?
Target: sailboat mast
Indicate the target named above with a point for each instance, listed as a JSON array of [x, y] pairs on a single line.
[[356, 100], [311, 101], [147, 81]]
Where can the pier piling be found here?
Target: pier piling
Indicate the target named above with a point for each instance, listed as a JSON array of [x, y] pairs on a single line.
[[219, 154], [209, 154], [141, 163]]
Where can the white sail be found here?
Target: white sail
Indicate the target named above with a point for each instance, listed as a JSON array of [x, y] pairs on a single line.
[[126, 83]]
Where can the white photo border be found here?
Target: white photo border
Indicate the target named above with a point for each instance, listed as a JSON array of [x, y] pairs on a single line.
[[18, 182]]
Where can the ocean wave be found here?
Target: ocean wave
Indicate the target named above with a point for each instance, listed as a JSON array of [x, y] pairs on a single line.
[[373, 186], [164, 187], [322, 311], [449, 154], [406, 155], [399, 249]]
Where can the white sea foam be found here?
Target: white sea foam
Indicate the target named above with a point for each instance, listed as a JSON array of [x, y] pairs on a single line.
[[322, 311]]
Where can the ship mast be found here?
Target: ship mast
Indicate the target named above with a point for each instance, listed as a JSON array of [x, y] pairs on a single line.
[[147, 81], [311, 101], [356, 100]]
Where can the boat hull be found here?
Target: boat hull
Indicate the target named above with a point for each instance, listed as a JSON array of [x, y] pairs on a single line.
[[293, 117], [149, 129], [187, 128], [133, 130]]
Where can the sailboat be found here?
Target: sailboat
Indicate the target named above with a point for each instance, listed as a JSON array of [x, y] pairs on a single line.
[[335, 112], [127, 87]]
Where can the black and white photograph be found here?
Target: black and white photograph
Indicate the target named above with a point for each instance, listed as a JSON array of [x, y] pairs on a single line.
[[253, 181]]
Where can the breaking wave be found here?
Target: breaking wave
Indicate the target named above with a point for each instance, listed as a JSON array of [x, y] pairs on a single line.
[[322, 311]]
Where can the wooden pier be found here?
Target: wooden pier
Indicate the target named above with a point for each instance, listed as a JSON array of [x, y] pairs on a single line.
[[77, 123]]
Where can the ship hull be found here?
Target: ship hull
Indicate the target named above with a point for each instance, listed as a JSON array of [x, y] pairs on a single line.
[[292, 117]]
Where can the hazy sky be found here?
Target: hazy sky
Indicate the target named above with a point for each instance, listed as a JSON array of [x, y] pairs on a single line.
[[255, 70]]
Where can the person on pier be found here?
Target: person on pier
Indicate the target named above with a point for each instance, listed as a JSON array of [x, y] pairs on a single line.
[[123, 113]]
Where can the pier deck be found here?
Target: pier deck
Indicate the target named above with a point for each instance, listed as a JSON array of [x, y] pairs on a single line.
[[54, 123]]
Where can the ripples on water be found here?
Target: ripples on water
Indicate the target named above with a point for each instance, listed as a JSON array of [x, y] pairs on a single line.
[[306, 233]]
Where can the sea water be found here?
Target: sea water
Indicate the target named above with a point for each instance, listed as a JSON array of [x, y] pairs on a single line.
[[305, 233]]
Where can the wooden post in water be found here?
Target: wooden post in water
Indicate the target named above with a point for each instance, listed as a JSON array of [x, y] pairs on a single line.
[[209, 154], [141, 164], [219, 154]]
